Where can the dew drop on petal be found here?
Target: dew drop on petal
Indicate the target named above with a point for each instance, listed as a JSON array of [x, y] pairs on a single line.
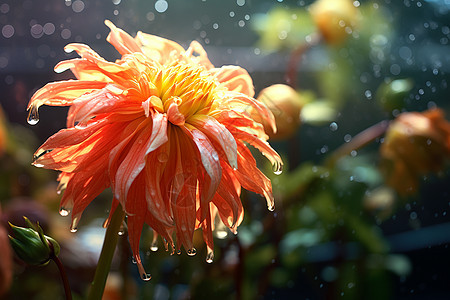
[[63, 212], [277, 168], [192, 252], [74, 226], [154, 246], [163, 157], [33, 115], [146, 276], [209, 257]]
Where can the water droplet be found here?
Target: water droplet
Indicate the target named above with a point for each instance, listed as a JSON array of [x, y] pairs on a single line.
[[161, 6], [33, 115], [277, 168], [163, 157], [192, 252], [74, 226], [146, 276], [121, 232], [154, 246], [64, 212], [333, 126], [209, 257]]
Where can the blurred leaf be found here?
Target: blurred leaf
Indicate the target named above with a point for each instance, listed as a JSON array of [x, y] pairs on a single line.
[[318, 113], [392, 95]]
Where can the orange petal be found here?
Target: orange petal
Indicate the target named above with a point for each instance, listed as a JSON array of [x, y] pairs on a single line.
[[62, 93], [121, 40], [158, 48], [145, 142], [219, 134], [235, 79]]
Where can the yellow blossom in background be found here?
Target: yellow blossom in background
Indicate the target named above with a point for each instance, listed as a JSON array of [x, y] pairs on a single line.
[[286, 105], [335, 19], [415, 144]]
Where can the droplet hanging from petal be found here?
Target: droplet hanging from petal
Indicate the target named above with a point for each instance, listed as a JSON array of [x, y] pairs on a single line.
[[277, 168], [64, 212], [74, 225], [192, 251], [33, 115], [209, 256]]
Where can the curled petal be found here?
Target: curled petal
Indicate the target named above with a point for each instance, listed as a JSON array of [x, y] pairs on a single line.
[[235, 79], [202, 58], [250, 177], [157, 48], [62, 93], [121, 40]]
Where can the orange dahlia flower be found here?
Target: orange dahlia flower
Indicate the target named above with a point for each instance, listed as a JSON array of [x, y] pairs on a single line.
[[164, 129], [415, 144]]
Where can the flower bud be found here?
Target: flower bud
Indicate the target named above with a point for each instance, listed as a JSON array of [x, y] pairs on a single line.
[[415, 144], [32, 246], [285, 104], [334, 18]]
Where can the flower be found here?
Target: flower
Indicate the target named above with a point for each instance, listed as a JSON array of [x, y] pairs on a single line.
[[335, 19], [415, 144], [165, 130], [286, 105], [32, 246]]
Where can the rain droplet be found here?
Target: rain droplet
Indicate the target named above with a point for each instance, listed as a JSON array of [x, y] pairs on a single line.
[[146, 276], [161, 6], [210, 257], [64, 212], [154, 246], [277, 168], [347, 138], [74, 226], [333, 126], [192, 252], [33, 115], [163, 157]]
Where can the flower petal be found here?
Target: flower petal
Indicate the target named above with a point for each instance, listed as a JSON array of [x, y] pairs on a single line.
[[121, 40], [235, 79], [62, 93], [218, 134], [145, 142]]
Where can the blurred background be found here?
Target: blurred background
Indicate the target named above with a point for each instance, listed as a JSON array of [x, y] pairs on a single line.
[[345, 225]]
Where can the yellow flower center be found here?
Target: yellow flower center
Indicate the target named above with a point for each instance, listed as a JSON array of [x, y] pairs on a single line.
[[180, 90]]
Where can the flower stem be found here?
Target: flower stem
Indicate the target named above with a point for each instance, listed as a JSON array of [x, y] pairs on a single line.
[[108, 249], [360, 140], [64, 278], [296, 56]]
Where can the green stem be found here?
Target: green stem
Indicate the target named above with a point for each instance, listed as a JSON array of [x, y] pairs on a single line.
[[108, 249], [64, 278]]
